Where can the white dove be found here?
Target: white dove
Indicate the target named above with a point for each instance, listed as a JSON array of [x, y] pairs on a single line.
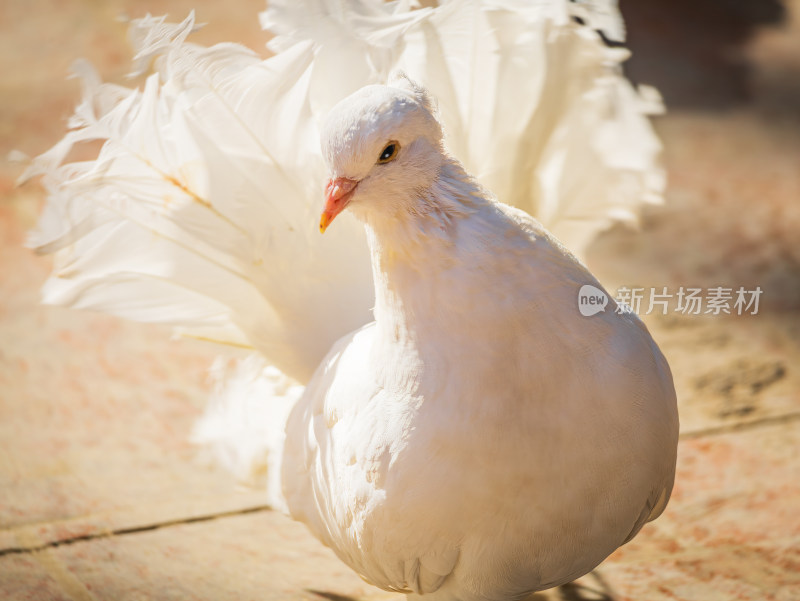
[[481, 439]]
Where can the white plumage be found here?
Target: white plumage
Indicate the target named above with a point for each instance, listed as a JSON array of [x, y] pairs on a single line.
[[480, 439]]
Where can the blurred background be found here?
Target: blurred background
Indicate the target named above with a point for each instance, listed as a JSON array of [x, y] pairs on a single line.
[[103, 497]]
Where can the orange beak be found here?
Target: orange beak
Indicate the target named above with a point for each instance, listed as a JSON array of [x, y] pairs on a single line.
[[338, 193]]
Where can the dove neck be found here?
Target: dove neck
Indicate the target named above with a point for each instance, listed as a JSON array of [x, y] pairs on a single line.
[[415, 255]]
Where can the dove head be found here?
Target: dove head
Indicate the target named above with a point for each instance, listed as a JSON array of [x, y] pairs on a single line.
[[383, 146]]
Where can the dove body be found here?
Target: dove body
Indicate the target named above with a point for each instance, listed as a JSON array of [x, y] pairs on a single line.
[[481, 439]]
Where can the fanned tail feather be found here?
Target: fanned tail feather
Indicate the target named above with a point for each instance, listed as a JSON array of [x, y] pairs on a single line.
[[200, 209], [243, 425], [212, 175]]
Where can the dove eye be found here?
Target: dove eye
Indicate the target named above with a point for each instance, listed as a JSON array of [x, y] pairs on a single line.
[[389, 153]]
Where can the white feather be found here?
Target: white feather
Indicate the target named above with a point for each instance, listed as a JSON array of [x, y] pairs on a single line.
[[200, 210], [244, 424]]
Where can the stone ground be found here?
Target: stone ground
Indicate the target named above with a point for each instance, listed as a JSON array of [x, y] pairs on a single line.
[[102, 497]]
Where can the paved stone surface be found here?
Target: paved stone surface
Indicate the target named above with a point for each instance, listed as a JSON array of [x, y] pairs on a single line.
[[731, 531], [263, 556], [102, 496]]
